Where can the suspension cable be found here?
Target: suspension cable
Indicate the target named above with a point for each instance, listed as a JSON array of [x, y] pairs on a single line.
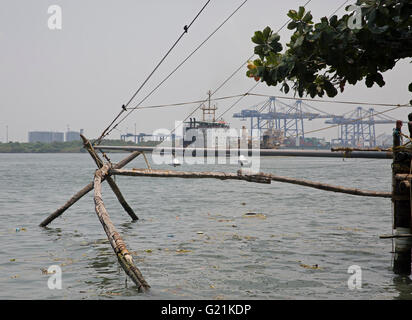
[[174, 70], [186, 29]]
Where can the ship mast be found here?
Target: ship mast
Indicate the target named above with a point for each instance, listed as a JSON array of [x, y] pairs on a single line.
[[209, 110]]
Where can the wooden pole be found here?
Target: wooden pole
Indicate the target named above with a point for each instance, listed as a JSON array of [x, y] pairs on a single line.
[[188, 175], [259, 178], [84, 191], [109, 179], [401, 168], [346, 149], [147, 161], [329, 187], [116, 241]]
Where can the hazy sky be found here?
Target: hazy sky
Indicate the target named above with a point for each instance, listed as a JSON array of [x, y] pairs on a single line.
[[79, 76]]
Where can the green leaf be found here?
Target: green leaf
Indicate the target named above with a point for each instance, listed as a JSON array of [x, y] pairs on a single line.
[[331, 91], [258, 38], [410, 87], [266, 33], [293, 15], [379, 80], [285, 87], [307, 18], [301, 12], [292, 25], [369, 81], [299, 41]]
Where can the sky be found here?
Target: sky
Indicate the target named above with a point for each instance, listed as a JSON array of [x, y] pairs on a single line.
[[79, 76]]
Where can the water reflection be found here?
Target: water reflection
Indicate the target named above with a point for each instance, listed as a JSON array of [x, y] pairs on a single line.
[[105, 267], [403, 285], [402, 268]]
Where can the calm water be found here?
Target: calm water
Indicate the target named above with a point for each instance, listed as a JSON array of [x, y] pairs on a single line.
[[192, 240]]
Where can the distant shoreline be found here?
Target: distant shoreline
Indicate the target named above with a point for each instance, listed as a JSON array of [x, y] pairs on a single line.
[[60, 147]]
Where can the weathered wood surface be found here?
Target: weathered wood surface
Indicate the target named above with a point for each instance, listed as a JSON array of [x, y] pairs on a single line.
[[401, 169], [394, 236], [403, 176], [329, 187], [347, 149], [84, 191], [244, 175], [189, 175], [109, 179], [116, 241]]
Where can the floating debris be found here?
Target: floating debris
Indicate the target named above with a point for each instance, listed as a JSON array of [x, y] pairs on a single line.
[[45, 271], [254, 215], [183, 251], [350, 229], [313, 267]]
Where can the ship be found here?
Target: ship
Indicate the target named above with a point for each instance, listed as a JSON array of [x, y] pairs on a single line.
[[196, 131]]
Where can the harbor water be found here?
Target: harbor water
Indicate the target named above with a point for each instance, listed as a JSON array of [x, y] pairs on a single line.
[[199, 238]]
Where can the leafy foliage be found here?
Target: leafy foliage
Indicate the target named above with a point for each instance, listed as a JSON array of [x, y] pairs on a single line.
[[323, 57]]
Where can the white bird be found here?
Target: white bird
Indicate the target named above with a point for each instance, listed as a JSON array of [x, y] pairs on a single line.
[[243, 160], [175, 162]]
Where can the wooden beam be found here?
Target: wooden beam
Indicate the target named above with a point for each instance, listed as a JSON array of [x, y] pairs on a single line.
[[329, 187], [189, 174], [109, 179], [241, 175], [84, 191], [116, 241]]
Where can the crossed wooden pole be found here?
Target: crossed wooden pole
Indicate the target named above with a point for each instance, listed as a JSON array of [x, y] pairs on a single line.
[[90, 186], [124, 257]]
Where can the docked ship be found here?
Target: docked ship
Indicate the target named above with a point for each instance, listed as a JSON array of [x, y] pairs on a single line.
[[193, 130]]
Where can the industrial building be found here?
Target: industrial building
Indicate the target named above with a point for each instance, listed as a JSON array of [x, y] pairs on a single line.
[[50, 136], [46, 136], [73, 135]]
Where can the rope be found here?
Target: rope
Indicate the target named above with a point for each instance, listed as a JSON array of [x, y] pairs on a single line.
[[225, 81], [269, 96], [186, 29], [330, 101], [187, 58], [354, 120], [236, 102], [229, 78], [185, 103]]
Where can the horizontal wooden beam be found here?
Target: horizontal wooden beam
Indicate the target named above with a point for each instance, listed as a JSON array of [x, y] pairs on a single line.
[[189, 175], [251, 177]]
